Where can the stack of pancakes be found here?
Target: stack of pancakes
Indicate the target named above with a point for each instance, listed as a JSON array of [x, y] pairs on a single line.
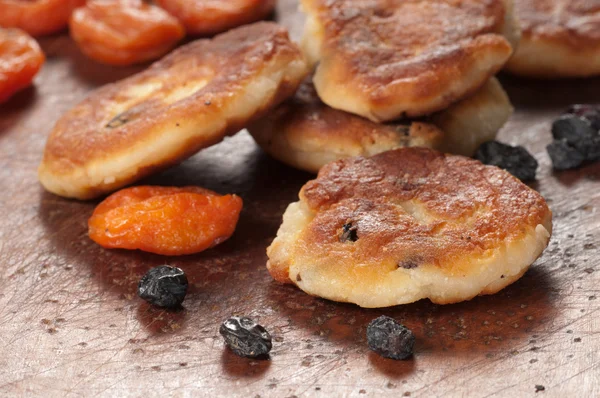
[[394, 73], [391, 225], [383, 223]]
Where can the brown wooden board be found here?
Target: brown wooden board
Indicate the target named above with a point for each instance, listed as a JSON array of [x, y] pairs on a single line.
[[71, 324]]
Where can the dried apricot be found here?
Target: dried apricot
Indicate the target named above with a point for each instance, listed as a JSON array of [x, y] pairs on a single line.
[[37, 17], [20, 60], [206, 17], [124, 32], [164, 220]]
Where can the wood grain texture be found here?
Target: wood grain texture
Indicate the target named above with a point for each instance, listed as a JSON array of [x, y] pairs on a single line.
[[71, 324]]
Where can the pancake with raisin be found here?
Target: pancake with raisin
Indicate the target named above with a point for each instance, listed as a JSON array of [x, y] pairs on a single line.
[[306, 134], [409, 224], [561, 38], [386, 59], [187, 101]]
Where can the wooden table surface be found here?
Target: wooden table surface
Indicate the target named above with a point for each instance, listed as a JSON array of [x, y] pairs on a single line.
[[72, 325]]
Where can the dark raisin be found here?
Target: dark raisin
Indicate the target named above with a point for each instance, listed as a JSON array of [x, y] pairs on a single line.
[[349, 233], [117, 121], [539, 387], [571, 128], [403, 129], [245, 337], [514, 159], [126, 116], [578, 133], [164, 286], [564, 156], [589, 112], [408, 264], [389, 338]]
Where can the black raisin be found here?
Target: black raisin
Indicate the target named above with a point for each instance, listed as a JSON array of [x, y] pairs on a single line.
[[245, 337], [514, 159], [539, 387], [164, 286], [589, 112], [389, 338], [578, 133], [349, 233], [571, 128], [564, 156]]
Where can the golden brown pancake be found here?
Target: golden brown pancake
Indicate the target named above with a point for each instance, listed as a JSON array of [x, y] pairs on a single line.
[[189, 100], [409, 224], [305, 133], [561, 38], [385, 59]]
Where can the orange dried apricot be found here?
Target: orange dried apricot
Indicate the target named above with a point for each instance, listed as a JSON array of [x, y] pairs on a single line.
[[124, 32], [37, 17], [20, 60], [206, 17], [164, 220]]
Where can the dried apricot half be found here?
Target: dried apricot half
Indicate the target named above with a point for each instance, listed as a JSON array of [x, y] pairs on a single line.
[[20, 60], [164, 220], [124, 32], [206, 17], [37, 17]]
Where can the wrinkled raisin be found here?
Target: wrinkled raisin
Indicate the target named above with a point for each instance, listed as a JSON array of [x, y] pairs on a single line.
[[349, 233], [576, 137], [587, 111], [514, 159], [164, 286], [245, 337], [389, 338], [564, 156], [578, 133]]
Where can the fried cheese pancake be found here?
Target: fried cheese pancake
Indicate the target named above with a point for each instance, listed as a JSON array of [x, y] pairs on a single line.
[[386, 59], [187, 101], [306, 134], [409, 224], [561, 38]]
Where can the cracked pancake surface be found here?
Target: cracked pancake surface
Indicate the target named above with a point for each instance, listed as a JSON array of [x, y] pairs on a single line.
[[187, 101], [305, 133], [384, 59], [409, 224], [561, 38]]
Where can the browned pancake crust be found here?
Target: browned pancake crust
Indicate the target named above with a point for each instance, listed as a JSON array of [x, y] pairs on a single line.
[[314, 120], [560, 37], [305, 133], [415, 48], [94, 132], [305, 122], [571, 22], [414, 206]]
